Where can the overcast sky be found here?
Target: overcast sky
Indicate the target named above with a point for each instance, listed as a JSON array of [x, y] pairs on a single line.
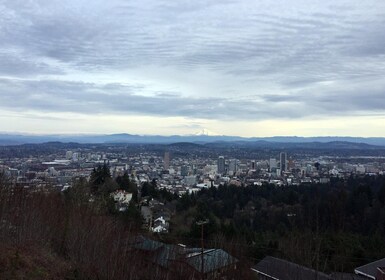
[[242, 67]]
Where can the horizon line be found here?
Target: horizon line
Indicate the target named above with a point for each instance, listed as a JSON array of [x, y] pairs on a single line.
[[3, 133]]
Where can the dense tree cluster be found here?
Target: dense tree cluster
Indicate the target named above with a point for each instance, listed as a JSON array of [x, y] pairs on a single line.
[[99, 189], [313, 224]]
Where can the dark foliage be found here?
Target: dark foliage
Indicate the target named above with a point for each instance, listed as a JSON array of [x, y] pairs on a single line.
[[312, 224]]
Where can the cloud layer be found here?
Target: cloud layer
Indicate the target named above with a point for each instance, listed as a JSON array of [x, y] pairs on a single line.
[[214, 60]]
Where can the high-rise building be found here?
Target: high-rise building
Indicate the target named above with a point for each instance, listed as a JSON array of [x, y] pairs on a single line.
[[221, 165], [283, 161], [252, 165], [233, 164], [69, 155], [290, 164], [166, 163], [272, 164], [75, 157], [184, 170]]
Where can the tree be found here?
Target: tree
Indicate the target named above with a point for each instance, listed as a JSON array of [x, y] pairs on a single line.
[[100, 176], [5, 181], [132, 216], [124, 182], [149, 190], [128, 185], [317, 165]]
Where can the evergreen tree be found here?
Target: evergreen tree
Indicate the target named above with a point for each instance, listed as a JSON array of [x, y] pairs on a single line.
[[100, 179]]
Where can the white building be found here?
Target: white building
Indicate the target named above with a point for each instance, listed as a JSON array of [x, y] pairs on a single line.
[[122, 198]]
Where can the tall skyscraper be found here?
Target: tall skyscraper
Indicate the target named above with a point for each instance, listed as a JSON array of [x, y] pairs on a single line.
[[166, 162], [252, 165], [233, 164], [290, 164], [283, 161], [221, 165], [272, 164]]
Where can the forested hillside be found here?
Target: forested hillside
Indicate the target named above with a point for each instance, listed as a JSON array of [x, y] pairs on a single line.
[[330, 227]]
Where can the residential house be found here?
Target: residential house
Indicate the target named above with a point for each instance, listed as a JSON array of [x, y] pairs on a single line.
[[122, 199], [161, 225], [271, 268], [371, 270], [180, 260]]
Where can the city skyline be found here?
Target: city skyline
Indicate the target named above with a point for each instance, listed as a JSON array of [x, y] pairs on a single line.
[[245, 68]]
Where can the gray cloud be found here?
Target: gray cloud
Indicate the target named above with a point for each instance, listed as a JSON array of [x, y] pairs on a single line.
[[77, 97], [305, 55], [13, 64]]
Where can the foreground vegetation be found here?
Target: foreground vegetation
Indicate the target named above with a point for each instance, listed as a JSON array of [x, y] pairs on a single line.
[[73, 235], [330, 227], [78, 234]]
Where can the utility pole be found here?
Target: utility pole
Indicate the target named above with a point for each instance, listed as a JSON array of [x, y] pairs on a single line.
[[202, 223]]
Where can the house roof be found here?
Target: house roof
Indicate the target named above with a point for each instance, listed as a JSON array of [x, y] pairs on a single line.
[[370, 270], [279, 269], [213, 259], [163, 253], [143, 243], [166, 254], [346, 276]]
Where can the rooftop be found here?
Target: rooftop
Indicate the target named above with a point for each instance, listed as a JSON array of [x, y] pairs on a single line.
[[370, 270], [279, 269]]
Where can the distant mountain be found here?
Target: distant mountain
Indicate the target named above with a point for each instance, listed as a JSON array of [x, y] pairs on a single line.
[[206, 132], [333, 145], [380, 141], [202, 138]]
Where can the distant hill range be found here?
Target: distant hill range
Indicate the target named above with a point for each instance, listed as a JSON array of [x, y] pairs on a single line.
[[268, 142]]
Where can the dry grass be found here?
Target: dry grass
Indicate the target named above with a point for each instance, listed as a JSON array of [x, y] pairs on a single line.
[[33, 263], [47, 236]]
